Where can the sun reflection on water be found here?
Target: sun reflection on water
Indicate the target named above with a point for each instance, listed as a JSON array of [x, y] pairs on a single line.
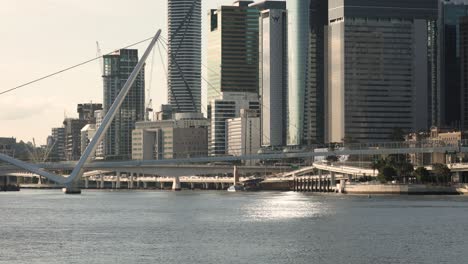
[[286, 206]]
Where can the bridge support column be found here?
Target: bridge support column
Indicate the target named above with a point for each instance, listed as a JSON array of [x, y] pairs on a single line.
[[176, 184], [117, 183], [102, 182], [192, 186], [86, 182], [236, 176], [333, 178], [72, 187], [145, 185], [320, 184], [222, 186], [130, 180], [113, 184], [294, 187]]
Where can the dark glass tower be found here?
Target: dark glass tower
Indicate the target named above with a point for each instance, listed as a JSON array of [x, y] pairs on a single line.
[[448, 92], [117, 69]]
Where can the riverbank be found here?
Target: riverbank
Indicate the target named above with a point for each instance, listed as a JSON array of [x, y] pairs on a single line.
[[405, 189], [348, 188]]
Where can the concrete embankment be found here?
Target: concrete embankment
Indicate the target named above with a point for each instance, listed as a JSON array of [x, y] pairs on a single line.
[[409, 189]]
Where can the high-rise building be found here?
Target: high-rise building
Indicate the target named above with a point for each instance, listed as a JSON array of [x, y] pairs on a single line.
[[380, 67], [184, 55], [298, 50], [463, 27], [233, 65], [447, 101], [272, 71], [87, 134], [233, 50], [99, 115], [117, 69], [57, 144], [314, 112], [219, 111], [185, 136], [73, 128], [242, 134], [86, 111]]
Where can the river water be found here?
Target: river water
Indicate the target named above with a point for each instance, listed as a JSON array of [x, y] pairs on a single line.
[[47, 226]]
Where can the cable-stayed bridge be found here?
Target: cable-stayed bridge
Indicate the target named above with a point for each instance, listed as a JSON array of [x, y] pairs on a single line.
[[85, 163]]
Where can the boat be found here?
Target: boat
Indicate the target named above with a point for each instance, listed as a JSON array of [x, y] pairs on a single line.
[[236, 188]]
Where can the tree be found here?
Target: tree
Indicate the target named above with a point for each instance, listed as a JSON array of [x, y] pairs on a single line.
[[386, 174], [441, 172], [422, 175]]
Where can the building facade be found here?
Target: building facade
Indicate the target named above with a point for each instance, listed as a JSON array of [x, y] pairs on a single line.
[[233, 67], [87, 134], [7, 146], [57, 144], [272, 71], [73, 128], [448, 101], [233, 50], [243, 136], [298, 50], [379, 68], [186, 136], [86, 111], [464, 74], [314, 112], [117, 69], [184, 55]]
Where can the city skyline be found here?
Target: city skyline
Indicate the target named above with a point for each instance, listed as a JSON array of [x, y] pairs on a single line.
[[57, 46]]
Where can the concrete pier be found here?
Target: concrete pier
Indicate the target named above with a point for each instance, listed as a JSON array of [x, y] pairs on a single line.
[[176, 184], [72, 188]]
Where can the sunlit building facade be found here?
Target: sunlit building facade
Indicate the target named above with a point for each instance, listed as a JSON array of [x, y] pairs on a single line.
[[379, 68]]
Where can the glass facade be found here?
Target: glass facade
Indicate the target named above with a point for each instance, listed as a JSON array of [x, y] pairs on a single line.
[[184, 55], [448, 92], [379, 73], [315, 86], [233, 67], [117, 69], [298, 41], [233, 50], [464, 71]]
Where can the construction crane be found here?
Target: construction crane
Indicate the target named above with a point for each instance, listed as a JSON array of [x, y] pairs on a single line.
[[99, 54], [148, 109]]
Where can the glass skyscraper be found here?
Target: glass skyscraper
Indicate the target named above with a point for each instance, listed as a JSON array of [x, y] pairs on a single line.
[[298, 48], [379, 68], [232, 67], [117, 69], [273, 71], [446, 101], [184, 55]]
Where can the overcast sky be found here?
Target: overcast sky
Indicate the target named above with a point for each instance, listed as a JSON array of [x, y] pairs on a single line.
[[41, 37]]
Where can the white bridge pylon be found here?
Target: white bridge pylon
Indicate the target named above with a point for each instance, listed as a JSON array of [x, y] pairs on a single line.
[[79, 168]]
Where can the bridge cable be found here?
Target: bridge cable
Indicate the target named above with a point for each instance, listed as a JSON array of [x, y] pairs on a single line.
[[70, 68]]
